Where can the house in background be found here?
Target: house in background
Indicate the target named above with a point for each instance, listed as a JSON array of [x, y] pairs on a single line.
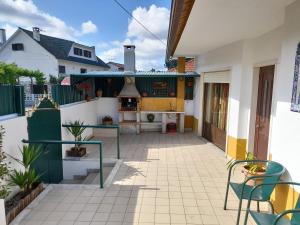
[[115, 66], [248, 55], [51, 55]]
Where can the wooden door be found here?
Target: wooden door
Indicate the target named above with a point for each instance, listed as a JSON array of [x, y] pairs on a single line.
[[263, 112], [215, 113]]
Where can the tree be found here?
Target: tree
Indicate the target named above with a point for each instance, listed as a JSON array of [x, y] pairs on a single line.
[[10, 74]]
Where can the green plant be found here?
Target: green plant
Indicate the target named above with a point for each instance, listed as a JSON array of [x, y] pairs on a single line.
[[27, 178], [150, 117], [76, 129], [4, 168], [252, 167]]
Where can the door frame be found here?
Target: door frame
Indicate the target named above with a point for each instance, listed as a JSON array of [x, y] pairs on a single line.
[[253, 109], [203, 80]]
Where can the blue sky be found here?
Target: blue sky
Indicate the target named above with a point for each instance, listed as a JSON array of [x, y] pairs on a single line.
[[100, 23]]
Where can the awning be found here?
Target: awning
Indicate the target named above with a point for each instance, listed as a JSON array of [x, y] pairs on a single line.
[[135, 74]]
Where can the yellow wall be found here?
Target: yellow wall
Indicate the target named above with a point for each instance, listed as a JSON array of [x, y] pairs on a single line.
[[189, 122], [284, 197], [180, 84], [236, 147], [158, 104], [195, 126]]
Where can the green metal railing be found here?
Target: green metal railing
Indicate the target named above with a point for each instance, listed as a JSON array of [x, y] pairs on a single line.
[[12, 99], [113, 126], [64, 94], [47, 142]]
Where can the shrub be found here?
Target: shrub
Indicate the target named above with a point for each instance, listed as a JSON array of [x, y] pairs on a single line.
[[4, 168]]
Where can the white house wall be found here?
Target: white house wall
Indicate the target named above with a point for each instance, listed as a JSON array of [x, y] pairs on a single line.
[[243, 59], [74, 67], [15, 131], [33, 57]]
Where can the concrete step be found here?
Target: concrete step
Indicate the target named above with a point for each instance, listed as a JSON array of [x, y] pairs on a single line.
[[90, 178]]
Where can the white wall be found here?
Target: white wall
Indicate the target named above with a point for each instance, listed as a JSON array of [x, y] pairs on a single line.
[[243, 58], [89, 113], [91, 49], [33, 57], [74, 67], [15, 131], [285, 142]]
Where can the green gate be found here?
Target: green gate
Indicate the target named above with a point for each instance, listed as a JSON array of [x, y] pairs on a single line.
[[45, 124]]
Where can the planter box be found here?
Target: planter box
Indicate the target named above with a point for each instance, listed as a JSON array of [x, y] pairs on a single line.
[[23, 203]]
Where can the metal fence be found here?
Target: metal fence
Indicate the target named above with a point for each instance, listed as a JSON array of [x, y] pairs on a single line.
[[63, 94], [33, 99], [12, 99]]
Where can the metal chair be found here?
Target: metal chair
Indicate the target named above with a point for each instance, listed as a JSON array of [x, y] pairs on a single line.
[[272, 219], [273, 173]]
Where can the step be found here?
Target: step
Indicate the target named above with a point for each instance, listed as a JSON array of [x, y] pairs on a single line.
[[90, 178]]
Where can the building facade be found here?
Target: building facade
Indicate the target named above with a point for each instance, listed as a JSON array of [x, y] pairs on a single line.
[[50, 55], [251, 67]]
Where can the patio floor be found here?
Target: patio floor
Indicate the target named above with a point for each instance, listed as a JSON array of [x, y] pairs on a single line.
[[164, 179]]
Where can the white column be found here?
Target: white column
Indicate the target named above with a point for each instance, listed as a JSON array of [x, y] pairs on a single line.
[[164, 123]]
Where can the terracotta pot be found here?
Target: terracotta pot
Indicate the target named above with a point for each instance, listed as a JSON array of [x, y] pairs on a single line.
[[248, 174], [99, 93], [145, 94], [190, 83], [88, 98], [172, 94]]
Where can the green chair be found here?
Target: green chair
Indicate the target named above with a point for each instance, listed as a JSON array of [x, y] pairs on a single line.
[[273, 173], [272, 219]]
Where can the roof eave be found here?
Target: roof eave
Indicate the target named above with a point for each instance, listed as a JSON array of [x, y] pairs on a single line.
[[180, 11]]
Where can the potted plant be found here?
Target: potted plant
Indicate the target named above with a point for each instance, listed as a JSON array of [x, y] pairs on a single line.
[[76, 130], [250, 169], [27, 180], [107, 120], [150, 117]]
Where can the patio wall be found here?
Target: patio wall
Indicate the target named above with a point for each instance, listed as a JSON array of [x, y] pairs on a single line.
[[243, 59], [15, 131]]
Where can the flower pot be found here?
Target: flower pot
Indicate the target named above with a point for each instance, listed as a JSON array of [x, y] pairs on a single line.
[[99, 93], [172, 94], [2, 212], [74, 152], [150, 117], [107, 122], [144, 94], [247, 173], [190, 83]]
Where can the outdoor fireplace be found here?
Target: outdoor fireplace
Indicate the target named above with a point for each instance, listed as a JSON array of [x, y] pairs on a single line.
[[128, 104]]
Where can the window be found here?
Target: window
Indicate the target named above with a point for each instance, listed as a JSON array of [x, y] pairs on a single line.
[[61, 69], [77, 51], [82, 70], [17, 47], [87, 54]]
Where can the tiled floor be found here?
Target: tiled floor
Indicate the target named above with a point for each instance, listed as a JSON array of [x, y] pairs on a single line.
[[164, 179]]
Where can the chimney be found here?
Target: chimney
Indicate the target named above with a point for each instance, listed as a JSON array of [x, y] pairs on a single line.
[[2, 37], [129, 58], [36, 33]]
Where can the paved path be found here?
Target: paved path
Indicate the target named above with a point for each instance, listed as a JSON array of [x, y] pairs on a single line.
[[164, 179]]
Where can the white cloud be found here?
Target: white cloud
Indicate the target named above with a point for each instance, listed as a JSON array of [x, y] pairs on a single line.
[[24, 13], [150, 52], [9, 29], [88, 27]]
